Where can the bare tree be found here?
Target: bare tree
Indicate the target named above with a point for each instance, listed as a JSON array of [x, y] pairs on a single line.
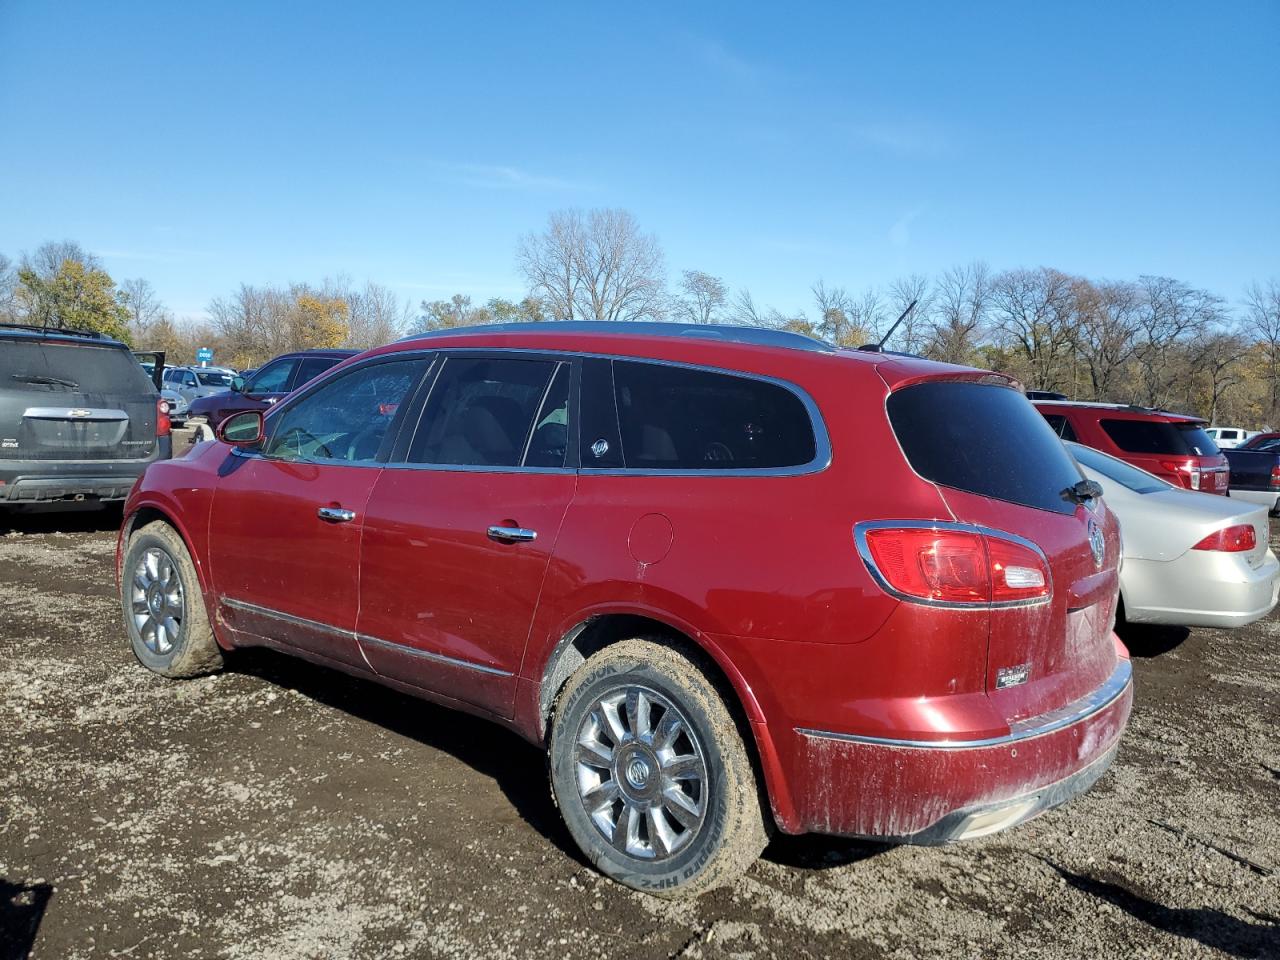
[[704, 297], [1216, 357], [961, 313], [8, 291], [745, 312], [143, 306], [49, 257], [1032, 311], [253, 323], [595, 266], [1170, 313], [1262, 322], [910, 336], [376, 316], [1107, 323]]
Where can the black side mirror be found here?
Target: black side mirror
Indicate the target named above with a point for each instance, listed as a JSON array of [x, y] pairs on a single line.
[[242, 430], [237, 384]]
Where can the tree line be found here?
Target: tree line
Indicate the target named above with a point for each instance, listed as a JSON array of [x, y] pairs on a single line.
[[1151, 340]]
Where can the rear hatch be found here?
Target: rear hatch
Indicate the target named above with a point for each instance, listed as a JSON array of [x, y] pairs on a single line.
[[71, 401], [999, 465], [1180, 449]]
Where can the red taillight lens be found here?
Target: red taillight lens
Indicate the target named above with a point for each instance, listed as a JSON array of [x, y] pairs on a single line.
[[1235, 539], [1275, 476], [956, 566], [1187, 472], [162, 418]]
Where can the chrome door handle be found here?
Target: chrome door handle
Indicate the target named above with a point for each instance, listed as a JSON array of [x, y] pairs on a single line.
[[336, 514], [511, 534]]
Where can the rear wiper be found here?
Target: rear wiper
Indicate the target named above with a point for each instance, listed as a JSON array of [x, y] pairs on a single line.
[[1082, 491], [50, 381]]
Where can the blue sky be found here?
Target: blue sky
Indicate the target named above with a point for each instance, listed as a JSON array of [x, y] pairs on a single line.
[[201, 145]]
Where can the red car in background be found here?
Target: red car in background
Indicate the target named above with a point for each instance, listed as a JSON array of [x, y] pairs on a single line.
[[1172, 446], [729, 580]]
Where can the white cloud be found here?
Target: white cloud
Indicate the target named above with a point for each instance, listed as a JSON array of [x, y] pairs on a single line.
[[900, 232], [500, 177]]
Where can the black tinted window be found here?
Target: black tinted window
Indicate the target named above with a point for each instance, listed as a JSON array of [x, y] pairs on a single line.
[[1061, 425], [481, 412], [347, 418], [676, 418], [549, 441], [598, 416], [311, 367], [60, 367], [273, 378], [1158, 436], [983, 439]]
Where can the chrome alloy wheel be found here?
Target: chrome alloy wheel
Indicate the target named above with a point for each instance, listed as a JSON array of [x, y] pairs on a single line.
[[641, 775], [156, 601]]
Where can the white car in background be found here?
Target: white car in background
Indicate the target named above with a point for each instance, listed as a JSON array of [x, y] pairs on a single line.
[[1229, 437], [1191, 559]]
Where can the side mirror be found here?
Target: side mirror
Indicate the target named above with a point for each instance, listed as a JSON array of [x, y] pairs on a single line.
[[237, 384], [241, 430]]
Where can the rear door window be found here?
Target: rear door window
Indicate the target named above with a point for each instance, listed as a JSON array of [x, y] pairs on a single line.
[[983, 439], [688, 419], [312, 367], [482, 412], [1161, 437]]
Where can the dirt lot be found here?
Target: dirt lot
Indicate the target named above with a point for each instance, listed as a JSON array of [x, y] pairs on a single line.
[[279, 810]]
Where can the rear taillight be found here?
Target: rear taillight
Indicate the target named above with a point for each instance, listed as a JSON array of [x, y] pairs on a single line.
[[953, 564], [1187, 472], [162, 418], [1275, 476], [1235, 539]]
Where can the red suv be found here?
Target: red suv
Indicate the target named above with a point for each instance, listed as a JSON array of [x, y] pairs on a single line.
[[1170, 445], [731, 580]]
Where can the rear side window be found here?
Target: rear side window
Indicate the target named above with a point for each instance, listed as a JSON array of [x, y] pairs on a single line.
[[53, 368], [481, 413], [1139, 481], [678, 418], [312, 367], [1159, 436], [983, 439], [1061, 425]]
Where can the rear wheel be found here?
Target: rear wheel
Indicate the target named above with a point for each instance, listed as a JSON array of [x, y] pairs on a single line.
[[164, 610], [651, 774]]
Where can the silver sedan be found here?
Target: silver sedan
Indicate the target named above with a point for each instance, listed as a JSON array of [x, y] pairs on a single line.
[[1192, 559]]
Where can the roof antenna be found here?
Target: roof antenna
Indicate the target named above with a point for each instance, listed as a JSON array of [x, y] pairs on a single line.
[[879, 347]]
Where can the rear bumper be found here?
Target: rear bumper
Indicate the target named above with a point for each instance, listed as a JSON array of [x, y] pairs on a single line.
[[931, 792], [25, 482], [1268, 498], [1200, 589]]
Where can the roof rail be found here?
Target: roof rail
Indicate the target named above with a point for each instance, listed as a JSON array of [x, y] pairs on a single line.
[[754, 336], [56, 331]]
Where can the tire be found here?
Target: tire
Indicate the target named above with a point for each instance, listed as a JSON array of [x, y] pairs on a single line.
[[672, 846], [164, 612]]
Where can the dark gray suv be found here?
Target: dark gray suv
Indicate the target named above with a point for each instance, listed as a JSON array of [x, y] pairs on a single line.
[[79, 418]]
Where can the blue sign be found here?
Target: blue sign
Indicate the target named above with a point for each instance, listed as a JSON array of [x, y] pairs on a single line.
[[204, 354]]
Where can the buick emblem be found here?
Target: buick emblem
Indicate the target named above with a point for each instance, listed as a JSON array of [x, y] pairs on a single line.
[[1096, 543]]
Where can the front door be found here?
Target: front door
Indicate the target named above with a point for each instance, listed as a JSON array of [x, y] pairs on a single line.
[[286, 521], [457, 536]]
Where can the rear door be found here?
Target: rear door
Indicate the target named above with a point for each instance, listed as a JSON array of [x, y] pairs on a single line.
[[998, 464], [72, 401]]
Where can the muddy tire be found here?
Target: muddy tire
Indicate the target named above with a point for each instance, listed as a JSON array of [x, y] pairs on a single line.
[[164, 612], [651, 773]]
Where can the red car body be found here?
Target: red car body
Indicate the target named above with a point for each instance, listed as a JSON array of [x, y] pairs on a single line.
[[1172, 446], [870, 712]]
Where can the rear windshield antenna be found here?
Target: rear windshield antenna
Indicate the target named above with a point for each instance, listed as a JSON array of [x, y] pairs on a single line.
[[879, 347]]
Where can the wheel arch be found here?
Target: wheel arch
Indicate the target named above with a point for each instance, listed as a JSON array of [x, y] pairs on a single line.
[[153, 510]]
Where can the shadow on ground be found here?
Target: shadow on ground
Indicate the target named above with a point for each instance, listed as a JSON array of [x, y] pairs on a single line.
[[22, 908], [1150, 640], [1212, 928], [60, 519]]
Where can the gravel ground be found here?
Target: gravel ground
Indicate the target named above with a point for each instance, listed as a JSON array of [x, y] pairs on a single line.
[[279, 810]]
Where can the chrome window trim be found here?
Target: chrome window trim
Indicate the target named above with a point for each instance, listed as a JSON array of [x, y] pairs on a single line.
[[864, 551], [1076, 711], [361, 637]]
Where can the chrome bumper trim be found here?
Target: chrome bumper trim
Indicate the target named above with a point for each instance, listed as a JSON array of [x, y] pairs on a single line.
[[1037, 726]]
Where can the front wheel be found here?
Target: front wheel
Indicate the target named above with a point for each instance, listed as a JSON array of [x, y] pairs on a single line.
[[651, 774], [164, 610]]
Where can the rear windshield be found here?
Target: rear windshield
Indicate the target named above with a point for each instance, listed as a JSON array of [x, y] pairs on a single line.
[[52, 368], [1186, 439], [983, 439], [1139, 481]]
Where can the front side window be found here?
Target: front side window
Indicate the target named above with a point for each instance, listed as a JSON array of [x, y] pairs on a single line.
[[346, 419], [490, 412], [681, 418], [273, 378]]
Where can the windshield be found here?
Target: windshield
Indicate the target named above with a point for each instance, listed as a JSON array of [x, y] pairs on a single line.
[[1139, 481], [983, 439], [1183, 439], [54, 367], [213, 378]]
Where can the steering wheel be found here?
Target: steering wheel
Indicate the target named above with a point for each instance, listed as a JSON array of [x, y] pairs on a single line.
[[296, 436], [717, 452]]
